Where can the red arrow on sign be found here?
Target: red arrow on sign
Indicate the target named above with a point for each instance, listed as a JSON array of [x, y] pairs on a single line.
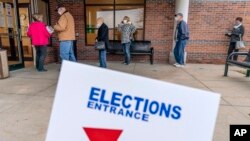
[[97, 134]]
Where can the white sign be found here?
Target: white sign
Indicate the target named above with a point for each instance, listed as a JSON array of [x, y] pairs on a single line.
[[1, 8], [8, 9], [2, 21], [10, 21], [94, 104]]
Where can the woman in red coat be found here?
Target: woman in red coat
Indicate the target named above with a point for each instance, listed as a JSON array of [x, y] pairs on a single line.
[[40, 39]]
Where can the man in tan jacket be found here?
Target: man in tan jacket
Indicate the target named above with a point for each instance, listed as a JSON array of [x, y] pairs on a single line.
[[66, 33]]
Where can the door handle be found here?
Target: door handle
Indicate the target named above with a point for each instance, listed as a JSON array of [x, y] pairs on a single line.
[[20, 34]]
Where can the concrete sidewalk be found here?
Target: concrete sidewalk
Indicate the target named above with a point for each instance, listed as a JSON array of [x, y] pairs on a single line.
[[26, 97]]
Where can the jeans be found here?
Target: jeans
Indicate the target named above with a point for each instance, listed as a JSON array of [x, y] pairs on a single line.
[[103, 58], [67, 51], [179, 51], [41, 53], [232, 49], [126, 51]]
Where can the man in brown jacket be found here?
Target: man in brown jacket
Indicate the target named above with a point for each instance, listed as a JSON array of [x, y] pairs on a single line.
[[66, 33]]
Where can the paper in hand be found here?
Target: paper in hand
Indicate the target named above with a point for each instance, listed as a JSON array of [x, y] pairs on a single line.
[[50, 29]]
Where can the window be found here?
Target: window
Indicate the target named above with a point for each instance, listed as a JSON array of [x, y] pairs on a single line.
[[113, 12], [99, 1]]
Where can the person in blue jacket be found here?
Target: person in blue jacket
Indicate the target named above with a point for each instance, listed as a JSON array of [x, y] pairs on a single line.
[[181, 37]]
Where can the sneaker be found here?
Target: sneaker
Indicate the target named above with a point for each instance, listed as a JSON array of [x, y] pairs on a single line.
[[179, 66], [124, 63], [176, 64], [43, 70]]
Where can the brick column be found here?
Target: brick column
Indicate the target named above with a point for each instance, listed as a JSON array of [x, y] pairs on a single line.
[[181, 6]]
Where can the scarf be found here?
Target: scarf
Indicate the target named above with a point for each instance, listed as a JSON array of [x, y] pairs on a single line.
[[237, 26]]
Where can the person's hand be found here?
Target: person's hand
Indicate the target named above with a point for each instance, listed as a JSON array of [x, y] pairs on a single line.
[[50, 29], [228, 34], [96, 40]]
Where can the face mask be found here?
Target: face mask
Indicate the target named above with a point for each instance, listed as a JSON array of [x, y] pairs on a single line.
[[238, 23], [98, 25], [59, 13], [125, 21], [176, 19]]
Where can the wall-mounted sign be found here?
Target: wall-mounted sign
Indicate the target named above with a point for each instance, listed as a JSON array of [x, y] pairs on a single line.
[[2, 21], [8, 8], [10, 21], [1, 8], [2, 17], [9, 15], [94, 104]]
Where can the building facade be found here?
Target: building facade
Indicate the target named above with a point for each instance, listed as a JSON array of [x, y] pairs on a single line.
[[208, 21], [15, 17]]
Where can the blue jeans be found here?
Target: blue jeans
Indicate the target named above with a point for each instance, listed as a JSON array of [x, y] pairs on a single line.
[[67, 51], [179, 51], [126, 51], [103, 58]]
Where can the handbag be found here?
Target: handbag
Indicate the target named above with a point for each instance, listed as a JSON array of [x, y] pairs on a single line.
[[240, 44], [100, 45]]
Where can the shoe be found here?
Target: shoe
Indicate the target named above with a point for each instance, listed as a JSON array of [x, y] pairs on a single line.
[[43, 70], [176, 64], [179, 66]]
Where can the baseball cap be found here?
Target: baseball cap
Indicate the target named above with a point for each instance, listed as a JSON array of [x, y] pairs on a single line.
[[60, 5], [179, 14]]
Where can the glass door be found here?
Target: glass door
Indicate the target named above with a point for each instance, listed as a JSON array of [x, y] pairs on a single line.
[[10, 37], [25, 18]]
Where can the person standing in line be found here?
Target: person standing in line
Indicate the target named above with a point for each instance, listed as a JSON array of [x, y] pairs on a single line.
[[236, 35], [66, 33], [103, 35], [181, 37], [39, 35], [127, 30]]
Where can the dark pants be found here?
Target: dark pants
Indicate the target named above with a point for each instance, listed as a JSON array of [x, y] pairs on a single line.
[[126, 51], [102, 58], [41, 53], [232, 49], [179, 51]]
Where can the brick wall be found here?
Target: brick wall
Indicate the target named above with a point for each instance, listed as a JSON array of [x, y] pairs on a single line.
[[208, 22], [159, 29]]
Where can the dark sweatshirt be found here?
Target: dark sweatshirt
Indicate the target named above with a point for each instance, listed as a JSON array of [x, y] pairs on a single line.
[[237, 33], [182, 31]]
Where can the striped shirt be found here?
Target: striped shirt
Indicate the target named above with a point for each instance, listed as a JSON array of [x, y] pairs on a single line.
[[127, 31]]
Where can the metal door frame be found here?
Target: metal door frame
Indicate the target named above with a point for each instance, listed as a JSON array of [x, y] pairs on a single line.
[[19, 39]]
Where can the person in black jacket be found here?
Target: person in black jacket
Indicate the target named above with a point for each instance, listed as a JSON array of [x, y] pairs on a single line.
[[181, 37], [103, 35], [236, 35]]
